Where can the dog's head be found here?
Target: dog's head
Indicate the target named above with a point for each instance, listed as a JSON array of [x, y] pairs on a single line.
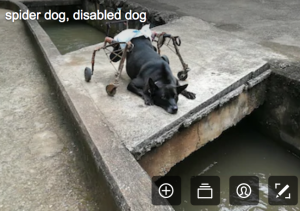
[[165, 95]]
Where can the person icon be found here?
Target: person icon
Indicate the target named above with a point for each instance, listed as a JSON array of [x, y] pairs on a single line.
[[243, 190]]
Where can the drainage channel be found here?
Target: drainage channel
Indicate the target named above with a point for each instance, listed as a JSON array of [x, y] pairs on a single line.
[[71, 36], [239, 151]]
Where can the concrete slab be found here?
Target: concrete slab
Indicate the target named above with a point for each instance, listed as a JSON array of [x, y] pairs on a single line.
[[220, 63]]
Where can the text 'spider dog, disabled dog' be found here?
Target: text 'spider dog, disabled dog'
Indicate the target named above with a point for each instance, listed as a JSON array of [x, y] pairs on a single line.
[[151, 76]]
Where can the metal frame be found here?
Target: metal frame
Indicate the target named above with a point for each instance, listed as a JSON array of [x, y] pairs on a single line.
[[182, 75], [110, 42]]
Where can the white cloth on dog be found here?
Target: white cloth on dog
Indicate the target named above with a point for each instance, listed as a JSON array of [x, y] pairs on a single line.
[[129, 34]]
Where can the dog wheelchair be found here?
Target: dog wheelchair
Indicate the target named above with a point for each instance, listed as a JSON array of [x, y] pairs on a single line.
[[114, 53]]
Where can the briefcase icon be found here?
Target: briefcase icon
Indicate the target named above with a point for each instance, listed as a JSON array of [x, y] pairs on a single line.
[[204, 191]]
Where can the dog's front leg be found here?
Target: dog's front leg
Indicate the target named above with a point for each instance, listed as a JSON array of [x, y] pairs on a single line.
[[188, 95], [182, 90], [132, 86]]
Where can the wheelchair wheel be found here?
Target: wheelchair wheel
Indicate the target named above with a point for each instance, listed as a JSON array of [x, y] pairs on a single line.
[[182, 75], [88, 74], [111, 90], [164, 57]]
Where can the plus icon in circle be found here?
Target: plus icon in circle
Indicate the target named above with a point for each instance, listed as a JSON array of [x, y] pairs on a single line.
[[166, 190]]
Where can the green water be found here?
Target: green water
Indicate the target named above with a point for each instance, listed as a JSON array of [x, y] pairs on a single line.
[[71, 36], [240, 151]]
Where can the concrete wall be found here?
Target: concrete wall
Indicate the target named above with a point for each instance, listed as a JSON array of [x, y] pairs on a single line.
[[154, 17], [279, 117]]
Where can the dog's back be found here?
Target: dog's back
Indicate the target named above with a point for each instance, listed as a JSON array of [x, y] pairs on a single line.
[[142, 57]]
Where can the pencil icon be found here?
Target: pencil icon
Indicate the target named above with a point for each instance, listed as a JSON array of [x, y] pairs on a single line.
[[282, 191]]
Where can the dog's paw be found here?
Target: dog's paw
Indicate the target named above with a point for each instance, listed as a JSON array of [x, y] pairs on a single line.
[[188, 95], [191, 96]]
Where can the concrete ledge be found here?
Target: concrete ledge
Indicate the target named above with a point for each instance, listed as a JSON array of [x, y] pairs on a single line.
[[130, 185], [216, 118]]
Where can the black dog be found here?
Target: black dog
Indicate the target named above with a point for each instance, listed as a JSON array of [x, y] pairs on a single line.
[[152, 78]]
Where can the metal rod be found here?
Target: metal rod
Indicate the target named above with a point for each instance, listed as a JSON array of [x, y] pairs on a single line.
[[184, 65], [121, 65]]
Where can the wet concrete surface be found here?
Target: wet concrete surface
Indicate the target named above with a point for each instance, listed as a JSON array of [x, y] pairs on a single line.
[[40, 166], [260, 21]]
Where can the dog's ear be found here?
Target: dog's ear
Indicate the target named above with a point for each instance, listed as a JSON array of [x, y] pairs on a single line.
[[181, 88], [152, 86]]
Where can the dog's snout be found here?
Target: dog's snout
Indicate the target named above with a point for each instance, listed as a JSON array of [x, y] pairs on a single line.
[[173, 109]]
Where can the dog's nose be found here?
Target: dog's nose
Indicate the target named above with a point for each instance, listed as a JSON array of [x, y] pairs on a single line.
[[174, 109]]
